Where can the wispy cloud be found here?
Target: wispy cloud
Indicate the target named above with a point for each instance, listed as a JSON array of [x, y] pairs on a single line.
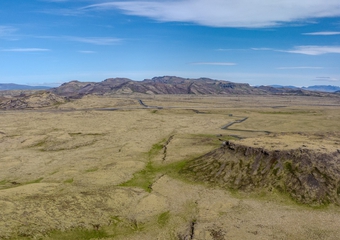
[[327, 79], [55, 0], [6, 32], [89, 40], [322, 33], [263, 49], [26, 50], [314, 50], [214, 63], [63, 11], [230, 49], [95, 40], [303, 67], [86, 52], [307, 50], [226, 13]]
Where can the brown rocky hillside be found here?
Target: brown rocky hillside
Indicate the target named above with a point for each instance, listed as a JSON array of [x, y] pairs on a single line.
[[39, 99], [166, 85]]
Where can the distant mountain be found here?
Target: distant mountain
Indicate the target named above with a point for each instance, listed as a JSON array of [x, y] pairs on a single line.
[[318, 88], [280, 86], [322, 88], [167, 85], [12, 86], [156, 85]]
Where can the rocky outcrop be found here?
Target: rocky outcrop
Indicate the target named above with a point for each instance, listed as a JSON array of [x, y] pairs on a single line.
[[36, 100], [73, 88], [308, 176]]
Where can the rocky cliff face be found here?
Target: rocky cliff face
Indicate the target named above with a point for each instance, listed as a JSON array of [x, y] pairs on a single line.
[[307, 176]]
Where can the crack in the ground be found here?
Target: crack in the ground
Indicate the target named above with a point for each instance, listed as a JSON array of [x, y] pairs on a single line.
[[191, 232], [192, 229], [151, 185], [165, 147]]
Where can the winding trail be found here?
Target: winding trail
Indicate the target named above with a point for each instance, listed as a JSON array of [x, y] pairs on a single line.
[[142, 103], [147, 106], [232, 123], [226, 127]]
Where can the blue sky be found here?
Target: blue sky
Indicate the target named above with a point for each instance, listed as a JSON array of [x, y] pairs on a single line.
[[260, 42]]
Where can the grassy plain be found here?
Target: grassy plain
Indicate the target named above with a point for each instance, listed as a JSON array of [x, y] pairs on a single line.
[[108, 168]]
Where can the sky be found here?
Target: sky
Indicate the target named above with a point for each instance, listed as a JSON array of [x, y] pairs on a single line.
[[260, 42]]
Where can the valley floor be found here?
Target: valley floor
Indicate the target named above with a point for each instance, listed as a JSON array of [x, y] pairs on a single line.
[[110, 168]]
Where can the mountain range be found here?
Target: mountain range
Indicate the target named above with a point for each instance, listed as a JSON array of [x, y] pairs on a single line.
[[318, 88], [322, 88], [12, 86], [28, 99], [168, 85]]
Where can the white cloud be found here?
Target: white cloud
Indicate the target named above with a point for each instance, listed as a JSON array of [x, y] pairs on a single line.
[[307, 50], [56, 0], [63, 12], [26, 50], [313, 50], [322, 33], [231, 49], [263, 49], [86, 52], [303, 67], [90, 40], [226, 13], [95, 40], [6, 31], [214, 63], [327, 79]]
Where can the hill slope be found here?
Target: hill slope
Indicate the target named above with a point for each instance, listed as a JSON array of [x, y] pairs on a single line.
[[307, 176]]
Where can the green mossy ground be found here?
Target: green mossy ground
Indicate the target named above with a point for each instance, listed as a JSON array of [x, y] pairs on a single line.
[[146, 177]]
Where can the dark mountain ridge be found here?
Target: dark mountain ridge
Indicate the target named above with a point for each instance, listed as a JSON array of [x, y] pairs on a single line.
[[168, 85], [319, 88], [323, 88]]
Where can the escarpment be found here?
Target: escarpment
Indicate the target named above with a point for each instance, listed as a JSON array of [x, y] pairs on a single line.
[[308, 176]]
